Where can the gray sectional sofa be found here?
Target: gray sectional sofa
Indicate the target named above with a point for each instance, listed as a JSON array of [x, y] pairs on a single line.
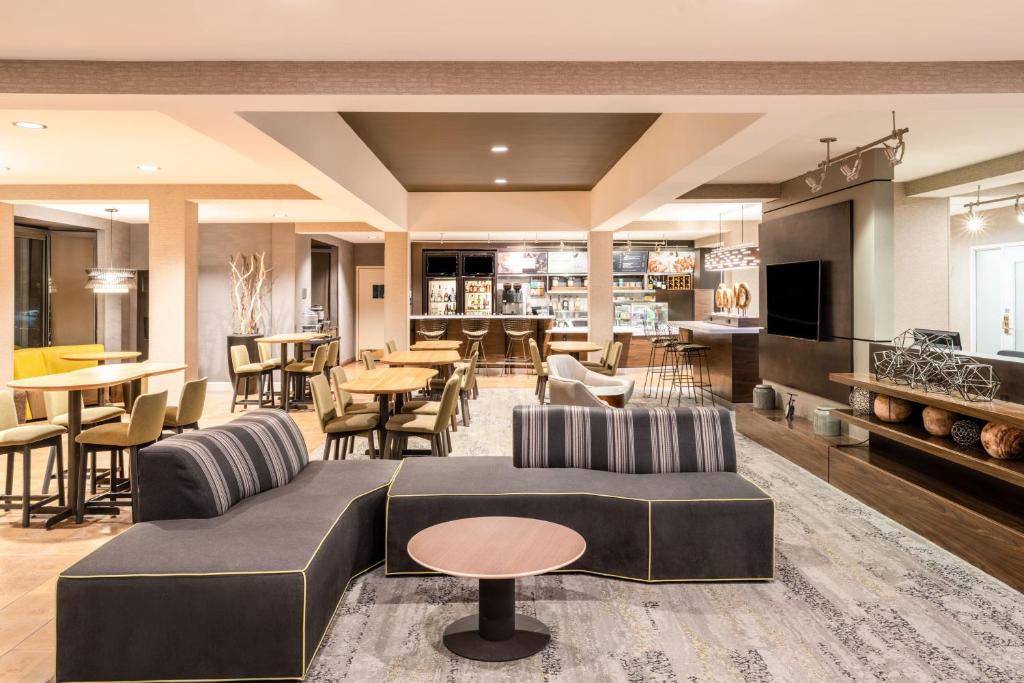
[[245, 548]]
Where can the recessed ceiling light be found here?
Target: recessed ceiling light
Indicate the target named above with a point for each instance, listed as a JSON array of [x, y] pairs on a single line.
[[280, 215], [499, 149], [371, 237], [501, 181], [30, 125], [149, 168]]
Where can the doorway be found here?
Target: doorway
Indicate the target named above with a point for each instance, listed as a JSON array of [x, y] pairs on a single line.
[[998, 298], [369, 308]]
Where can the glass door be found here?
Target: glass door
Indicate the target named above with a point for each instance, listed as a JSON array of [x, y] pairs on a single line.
[[477, 294], [31, 288]]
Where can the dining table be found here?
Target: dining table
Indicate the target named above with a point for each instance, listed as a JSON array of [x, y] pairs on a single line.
[[388, 383], [573, 348], [102, 357], [75, 382], [283, 340], [436, 345]]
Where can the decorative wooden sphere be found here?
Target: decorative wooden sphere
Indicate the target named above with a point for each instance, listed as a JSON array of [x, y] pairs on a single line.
[[1002, 441], [938, 422], [892, 409]]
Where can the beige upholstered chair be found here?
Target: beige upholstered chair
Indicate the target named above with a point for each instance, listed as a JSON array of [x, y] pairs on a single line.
[[611, 363], [478, 349], [569, 383], [391, 345], [466, 386], [430, 427], [304, 371], [419, 407], [369, 362], [57, 411], [23, 439], [267, 357], [340, 430], [246, 372], [143, 428], [186, 414], [343, 402], [598, 365], [541, 368]]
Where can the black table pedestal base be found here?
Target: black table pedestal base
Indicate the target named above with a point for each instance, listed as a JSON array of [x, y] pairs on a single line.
[[497, 633]]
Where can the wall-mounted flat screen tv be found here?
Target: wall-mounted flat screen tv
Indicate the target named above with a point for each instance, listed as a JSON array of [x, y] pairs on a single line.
[[793, 299], [442, 264], [478, 264]]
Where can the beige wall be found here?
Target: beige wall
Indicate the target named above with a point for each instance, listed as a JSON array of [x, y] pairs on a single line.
[[396, 287], [600, 308], [74, 307], [921, 242]]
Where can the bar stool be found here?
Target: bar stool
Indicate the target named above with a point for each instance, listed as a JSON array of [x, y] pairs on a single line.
[[660, 341], [270, 362], [431, 328], [303, 372], [245, 372], [694, 357], [517, 332], [14, 439], [186, 414], [474, 330], [142, 428], [57, 414]]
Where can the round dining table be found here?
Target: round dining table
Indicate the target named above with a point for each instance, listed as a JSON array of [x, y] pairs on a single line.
[[75, 382], [436, 345], [385, 383], [284, 339], [573, 348]]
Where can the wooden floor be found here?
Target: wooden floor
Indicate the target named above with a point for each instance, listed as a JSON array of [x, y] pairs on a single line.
[[31, 559]]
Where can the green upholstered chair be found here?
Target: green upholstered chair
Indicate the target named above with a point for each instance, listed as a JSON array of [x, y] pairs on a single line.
[[186, 414], [23, 439], [340, 430]]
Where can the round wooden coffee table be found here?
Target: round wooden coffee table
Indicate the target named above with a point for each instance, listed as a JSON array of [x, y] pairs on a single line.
[[497, 551]]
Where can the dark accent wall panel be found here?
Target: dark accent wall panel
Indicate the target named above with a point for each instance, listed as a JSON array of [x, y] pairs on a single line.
[[824, 234]]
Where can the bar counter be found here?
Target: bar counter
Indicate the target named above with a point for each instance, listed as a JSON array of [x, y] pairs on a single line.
[[732, 357], [495, 340]]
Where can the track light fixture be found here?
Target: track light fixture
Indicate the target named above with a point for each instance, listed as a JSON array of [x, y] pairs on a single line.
[[974, 218], [893, 146]]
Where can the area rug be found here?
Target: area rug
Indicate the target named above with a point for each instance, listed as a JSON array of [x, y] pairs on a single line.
[[856, 597]]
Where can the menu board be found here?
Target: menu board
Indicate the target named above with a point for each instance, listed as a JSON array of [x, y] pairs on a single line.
[[522, 262], [629, 261], [567, 262], [671, 261]]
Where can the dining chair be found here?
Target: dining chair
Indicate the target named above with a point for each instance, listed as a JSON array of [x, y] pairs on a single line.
[[466, 386], [369, 362], [401, 427], [391, 345], [343, 401], [23, 439], [302, 372], [421, 407], [186, 414], [600, 363], [611, 361], [142, 428], [340, 430], [478, 349], [541, 368], [270, 362]]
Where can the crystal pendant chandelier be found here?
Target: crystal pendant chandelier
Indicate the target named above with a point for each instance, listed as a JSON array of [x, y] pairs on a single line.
[[110, 280], [742, 255]]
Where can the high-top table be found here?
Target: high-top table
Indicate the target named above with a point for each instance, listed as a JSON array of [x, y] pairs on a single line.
[[284, 339], [75, 382], [497, 551], [387, 382], [436, 345], [102, 357], [574, 348]]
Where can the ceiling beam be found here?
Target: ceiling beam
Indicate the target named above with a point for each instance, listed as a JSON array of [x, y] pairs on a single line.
[[733, 192], [991, 173], [498, 211], [145, 192], [333, 226], [503, 78]]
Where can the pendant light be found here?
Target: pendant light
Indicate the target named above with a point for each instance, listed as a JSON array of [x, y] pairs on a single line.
[[742, 255], [109, 280]]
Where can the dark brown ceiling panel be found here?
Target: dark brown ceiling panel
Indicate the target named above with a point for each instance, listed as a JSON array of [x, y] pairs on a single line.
[[451, 152]]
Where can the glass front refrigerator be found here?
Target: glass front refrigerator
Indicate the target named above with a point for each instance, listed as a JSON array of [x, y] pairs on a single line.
[[442, 296], [478, 283]]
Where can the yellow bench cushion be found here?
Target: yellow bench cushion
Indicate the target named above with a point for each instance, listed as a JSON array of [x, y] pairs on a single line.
[[35, 362]]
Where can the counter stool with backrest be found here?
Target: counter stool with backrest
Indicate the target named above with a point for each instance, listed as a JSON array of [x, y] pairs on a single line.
[[333, 351], [431, 329], [661, 338], [434, 407], [599, 364], [474, 330], [541, 368], [517, 332], [57, 414], [401, 427], [142, 428], [24, 439], [186, 414], [300, 373], [270, 362], [342, 429], [246, 372]]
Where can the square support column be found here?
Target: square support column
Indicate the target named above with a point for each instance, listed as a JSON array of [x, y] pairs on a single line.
[[396, 287], [600, 305], [7, 298], [173, 289], [283, 316]]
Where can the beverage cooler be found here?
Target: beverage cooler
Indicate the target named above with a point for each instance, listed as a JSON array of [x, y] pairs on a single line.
[[442, 296], [478, 295]]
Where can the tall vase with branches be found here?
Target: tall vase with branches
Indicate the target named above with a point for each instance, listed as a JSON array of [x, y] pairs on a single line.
[[249, 283]]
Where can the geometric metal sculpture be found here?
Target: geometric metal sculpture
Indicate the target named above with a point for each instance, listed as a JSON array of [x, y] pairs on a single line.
[[932, 364]]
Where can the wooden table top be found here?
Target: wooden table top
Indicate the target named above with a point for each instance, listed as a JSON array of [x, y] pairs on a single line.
[[102, 355], [390, 380], [291, 338], [496, 547], [436, 345], [95, 377], [574, 346], [424, 358]]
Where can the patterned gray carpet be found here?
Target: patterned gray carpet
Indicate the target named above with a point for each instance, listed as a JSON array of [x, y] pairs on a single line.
[[857, 597]]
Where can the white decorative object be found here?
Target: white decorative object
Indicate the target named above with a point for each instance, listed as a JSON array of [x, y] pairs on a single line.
[[249, 280]]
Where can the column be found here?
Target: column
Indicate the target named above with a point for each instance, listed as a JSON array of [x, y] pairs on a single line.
[[303, 276], [173, 289], [600, 306], [283, 314], [7, 298], [396, 287]]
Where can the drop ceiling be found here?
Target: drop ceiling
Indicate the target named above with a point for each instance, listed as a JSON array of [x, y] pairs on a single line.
[[451, 152]]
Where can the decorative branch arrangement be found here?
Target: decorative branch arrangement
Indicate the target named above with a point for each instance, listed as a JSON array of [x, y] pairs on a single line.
[[249, 281]]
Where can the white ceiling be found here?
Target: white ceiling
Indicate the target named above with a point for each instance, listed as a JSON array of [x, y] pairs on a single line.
[[523, 30], [939, 140], [700, 211], [223, 211]]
